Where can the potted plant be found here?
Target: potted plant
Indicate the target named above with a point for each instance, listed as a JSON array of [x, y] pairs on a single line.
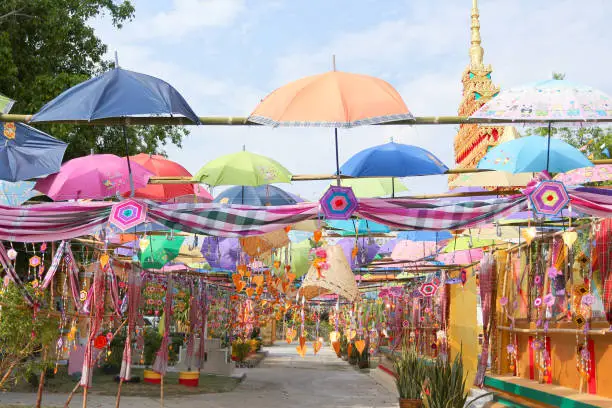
[[353, 354], [364, 359], [152, 343], [446, 384], [411, 373]]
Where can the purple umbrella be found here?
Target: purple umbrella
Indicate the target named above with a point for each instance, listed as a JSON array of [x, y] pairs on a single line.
[[366, 252], [221, 253], [388, 246]]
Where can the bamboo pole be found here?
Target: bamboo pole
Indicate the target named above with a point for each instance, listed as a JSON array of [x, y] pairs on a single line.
[[76, 387], [592, 332], [243, 121], [41, 382], [161, 400]]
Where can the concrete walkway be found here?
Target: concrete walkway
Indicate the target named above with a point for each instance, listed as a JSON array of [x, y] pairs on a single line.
[[283, 379]]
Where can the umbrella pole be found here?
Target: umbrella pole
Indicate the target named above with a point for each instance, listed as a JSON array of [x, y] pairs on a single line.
[[392, 187], [127, 155], [548, 146], [337, 157]]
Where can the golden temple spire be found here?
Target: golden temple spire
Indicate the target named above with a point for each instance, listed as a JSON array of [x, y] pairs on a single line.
[[476, 51]]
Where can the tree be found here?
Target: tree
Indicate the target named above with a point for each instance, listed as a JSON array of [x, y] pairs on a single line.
[[594, 142], [46, 46]]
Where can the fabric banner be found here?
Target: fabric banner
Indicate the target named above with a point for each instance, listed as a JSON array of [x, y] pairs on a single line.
[[487, 279], [57, 258], [73, 275], [98, 290], [592, 201], [12, 273], [432, 215], [133, 299], [230, 221], [160, 365]]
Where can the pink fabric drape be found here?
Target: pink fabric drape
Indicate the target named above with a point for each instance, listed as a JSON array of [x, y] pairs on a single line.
[[486, 292], [160, 364], [133, 299], [95, 321]]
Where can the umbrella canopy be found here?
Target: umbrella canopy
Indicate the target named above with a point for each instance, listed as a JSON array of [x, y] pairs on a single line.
[[221, 253], [432, 236], [299, 258], [531, 154], [553, 100], [602, 172], [413, 251], [6, 104], [464, 257], [27, 152], [117, 93], [242, 169], [156, 250], [96, 176], [375, 187], [492, 179], [466, 243], [360, 226], [393, 160], [333, 99], [200, 195], [162, 167], [257, 196], [14, 194], [366, 250]]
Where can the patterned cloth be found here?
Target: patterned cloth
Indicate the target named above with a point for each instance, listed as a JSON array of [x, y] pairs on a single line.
[[592, 201], [230, 221], [432, 215]]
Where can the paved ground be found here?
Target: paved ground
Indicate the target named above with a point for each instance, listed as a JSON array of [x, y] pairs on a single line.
[[284, 379]]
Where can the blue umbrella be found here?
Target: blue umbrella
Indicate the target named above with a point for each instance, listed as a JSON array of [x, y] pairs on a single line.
[[117, 93], [393, 160], [27, 152], [258, 196], [532, 154], [434, 236], [14, 194]]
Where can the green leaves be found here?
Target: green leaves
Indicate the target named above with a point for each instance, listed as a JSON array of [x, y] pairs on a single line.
[[446, 385], [46, 47], [411, 373]]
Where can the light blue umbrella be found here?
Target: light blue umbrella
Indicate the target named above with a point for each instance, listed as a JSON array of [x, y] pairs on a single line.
[[14, 194], [531, 154], [393, 160], [348, 227], [434, 236]]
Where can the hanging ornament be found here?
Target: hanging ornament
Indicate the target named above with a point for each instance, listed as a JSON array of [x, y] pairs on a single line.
[[549, 197], [338, 203], [529, 234], [463, 277], [35, 261], [100, 342], [12, 254], [128, 214], [569, 237], [316, 236]]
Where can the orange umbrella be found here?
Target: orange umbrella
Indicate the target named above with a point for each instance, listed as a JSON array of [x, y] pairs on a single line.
[[333, 99], [162, 167]]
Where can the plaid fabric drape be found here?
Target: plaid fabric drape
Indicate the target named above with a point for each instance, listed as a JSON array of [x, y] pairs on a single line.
[[57, 258], [592, 201], [431, 215], [230, 221]]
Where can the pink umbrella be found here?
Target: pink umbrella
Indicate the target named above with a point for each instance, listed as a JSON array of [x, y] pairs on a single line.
[[413, 251], [464, 257], [602, 172], [96, 176]]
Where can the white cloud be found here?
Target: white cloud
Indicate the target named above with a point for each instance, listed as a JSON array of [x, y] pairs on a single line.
[[186, 17]]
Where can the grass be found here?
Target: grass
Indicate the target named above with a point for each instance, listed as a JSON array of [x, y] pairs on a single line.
[[104, 384]]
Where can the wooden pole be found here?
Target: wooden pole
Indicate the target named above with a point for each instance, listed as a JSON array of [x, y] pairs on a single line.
[[162, 391], [78, 384], [119, 393], [41, 382], [85, 397], [243, 121]]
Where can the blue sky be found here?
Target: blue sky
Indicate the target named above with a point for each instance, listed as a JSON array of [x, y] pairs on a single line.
[[226, 55]]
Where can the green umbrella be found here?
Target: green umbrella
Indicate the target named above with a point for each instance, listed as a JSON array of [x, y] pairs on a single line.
[[299, 258], [242, 169], [158, 250], [6, 104], [375, 187], [464, 243]]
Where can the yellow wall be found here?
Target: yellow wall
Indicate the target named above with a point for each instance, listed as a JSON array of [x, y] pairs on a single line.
[[463, 326]]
